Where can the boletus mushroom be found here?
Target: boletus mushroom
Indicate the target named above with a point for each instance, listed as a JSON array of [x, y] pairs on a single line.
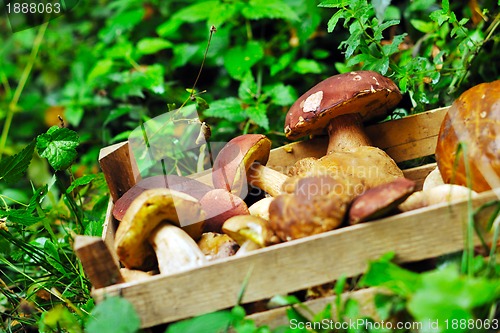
[[380, 200], [339, 105], [241, 162], [217, 246], [318, 204], [161, 223], [219, 205], [250, 232], [194, 188], [474, 120]]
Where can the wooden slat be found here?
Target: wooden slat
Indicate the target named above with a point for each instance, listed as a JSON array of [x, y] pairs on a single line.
[[120, 170], [299, 264], [97, 261], [418, 174]]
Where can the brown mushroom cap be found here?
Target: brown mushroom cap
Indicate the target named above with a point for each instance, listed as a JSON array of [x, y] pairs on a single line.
[[317, 205], [235, 159], [146, 212], [474, 119], [365, 92], [186, 185], [380, 200], [219, 205]]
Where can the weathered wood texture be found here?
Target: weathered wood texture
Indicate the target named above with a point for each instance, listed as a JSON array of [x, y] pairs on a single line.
[[298, 264], [97, 261]]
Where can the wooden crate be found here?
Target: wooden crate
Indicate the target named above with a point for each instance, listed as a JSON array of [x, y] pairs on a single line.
[[302, 263]]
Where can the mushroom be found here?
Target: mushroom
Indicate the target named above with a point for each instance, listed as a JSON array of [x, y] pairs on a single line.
[[474, 120], [433, 179], [318, 204], [216, 246], [219, 205], [241, 161], [261, 208], [152, 225], [190, 186], [340, 104], [250, 232], [435, 195], [380, 201]]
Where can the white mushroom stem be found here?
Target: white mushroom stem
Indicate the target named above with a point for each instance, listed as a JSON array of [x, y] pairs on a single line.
[[248, 246], [175, 249], [267, 179], [261, 208], [433, 179], [439, 194], [346, 132]]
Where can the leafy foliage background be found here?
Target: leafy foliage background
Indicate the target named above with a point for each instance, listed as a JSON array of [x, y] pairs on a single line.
[[107, 66]]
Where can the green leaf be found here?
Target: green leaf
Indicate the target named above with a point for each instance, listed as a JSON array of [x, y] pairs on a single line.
[[423, 26], [258, 115], [82, 181], [101, 68], [20, 216], [282, 95], [60, 317], [58, 146], [306, 66], [209, 323], [334, 3], [74, 114], [12, 168], [248, 88], [386, 274], [183, 53], [152, 45], [228, 108], [271, 9], [332, 23], [238, 60], [282, 62], [113, 315], [201, 104], [52, 256]]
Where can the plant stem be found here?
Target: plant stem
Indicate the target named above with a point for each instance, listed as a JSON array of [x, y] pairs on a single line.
[[20, 87]]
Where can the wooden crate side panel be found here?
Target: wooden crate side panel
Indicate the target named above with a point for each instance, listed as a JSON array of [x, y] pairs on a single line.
[[299, 264]]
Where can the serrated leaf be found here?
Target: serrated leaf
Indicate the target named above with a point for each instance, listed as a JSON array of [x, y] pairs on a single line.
[[258, 114], [332, 23], [238, 60], [152, 45], [113, 315], [334, 3], [12, 168], [271, 9], [20, 216], [228, 108], [248, 88], [58, 146], [393, 47]]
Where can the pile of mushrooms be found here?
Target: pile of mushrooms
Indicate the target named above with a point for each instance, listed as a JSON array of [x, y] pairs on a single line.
[[172, 223]]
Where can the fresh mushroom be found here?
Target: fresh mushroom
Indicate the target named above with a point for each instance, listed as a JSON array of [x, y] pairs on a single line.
[[261, 208], [186, 185], [242, 161], [474, 120], [435, 195], [250, 232], [216, 246], [151, 228], [219, 205], [340, 104], [433, 179], [318, 204], [381, 200]]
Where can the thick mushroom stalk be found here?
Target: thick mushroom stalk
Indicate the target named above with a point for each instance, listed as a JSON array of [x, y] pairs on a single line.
[[340, 104], [174, 249], [147, 212], [241, 162]]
